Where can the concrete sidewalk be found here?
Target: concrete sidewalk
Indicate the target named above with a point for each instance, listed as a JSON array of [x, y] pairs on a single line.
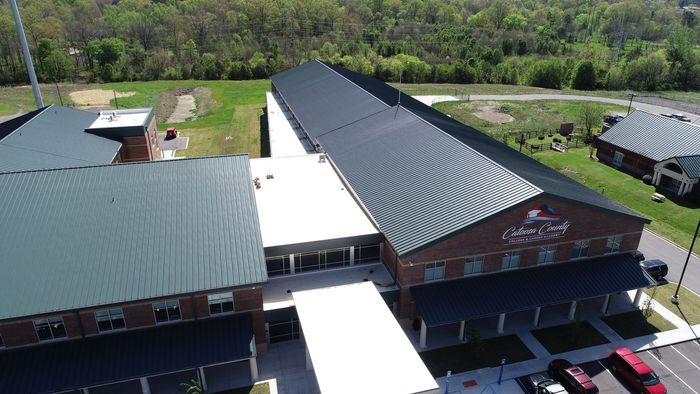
[[486, 378]]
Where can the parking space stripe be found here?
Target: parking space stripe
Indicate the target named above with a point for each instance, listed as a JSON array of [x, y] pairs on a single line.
[[686, 358], [670, 370], [605, 368]]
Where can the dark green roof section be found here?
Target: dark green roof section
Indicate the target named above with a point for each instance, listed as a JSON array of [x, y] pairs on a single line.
[[89, 236], [55, 138], [691, 165]]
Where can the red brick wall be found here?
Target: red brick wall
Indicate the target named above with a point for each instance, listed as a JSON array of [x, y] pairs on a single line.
[[139, 315], [486, 239], [18, 333], [632, 163]]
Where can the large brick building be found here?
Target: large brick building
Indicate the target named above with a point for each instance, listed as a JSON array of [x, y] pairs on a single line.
[[666, 149]]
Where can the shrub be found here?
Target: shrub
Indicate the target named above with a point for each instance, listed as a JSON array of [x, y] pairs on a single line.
[[647, 179]]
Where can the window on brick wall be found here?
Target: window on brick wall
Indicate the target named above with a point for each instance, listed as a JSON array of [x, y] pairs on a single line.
[[110, 319], [580, 249], [613, 244], [473, 265], [546, 254], [51, 328], [510, 260], [220, 303], [434, 271], [167, 311]]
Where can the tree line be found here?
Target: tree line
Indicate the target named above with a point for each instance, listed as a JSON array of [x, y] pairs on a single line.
[[584, 44]]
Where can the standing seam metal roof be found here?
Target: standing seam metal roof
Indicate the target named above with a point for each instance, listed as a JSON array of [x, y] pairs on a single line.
[[691, 165], [654, 136], [421, 175], [55, 138], [89, 236]]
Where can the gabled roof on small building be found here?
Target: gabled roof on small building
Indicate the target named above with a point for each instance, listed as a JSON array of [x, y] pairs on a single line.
[[82, 237], [422, 175], [690, 165], [54, 137], [654, 136]]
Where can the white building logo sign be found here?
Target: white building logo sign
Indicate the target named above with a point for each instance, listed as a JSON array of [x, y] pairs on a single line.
[[540, 223]]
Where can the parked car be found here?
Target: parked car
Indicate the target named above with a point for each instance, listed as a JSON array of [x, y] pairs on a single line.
[[612, 119], [656, 268], [667, 115], [541, 383], [572, 377], [638, 255], [635, 372], [680, 117]]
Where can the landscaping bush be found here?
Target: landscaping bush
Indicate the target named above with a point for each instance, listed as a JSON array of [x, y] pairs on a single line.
[[556, 139], [647, 179], [541, 137]]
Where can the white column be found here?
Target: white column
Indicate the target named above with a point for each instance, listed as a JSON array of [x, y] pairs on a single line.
[[423, 334], [291, 264], [637, 297], [253, 368], [606, 304], [501, 323], [202, 379], [538, 313], [572, 310], [462, 326], [309, 364], [145, 387], [655, 178], [680, 189], [352, 255], [84, 390]]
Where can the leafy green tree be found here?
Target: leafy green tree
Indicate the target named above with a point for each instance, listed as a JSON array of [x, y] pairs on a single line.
[[647, 72], [546, 74], [110, 51], [590, 115], [584, 76]]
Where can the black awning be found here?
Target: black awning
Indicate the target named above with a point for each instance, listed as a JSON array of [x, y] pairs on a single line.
[[110, 358], [511, 291]]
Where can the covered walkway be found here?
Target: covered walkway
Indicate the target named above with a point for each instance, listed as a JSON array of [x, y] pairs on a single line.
[[131, 357], [462, 300]]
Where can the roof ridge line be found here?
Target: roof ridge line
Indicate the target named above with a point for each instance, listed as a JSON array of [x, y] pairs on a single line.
[[476, 151], [358, 86], [25, 123], [193, 158]]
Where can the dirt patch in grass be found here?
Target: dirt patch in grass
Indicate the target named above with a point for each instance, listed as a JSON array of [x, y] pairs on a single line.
[[96, 97], [204, 100], [634, 324], [569, 337], [470, 356], [494, 117]]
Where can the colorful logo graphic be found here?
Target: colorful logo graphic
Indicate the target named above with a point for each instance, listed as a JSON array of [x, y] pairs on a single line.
[[541, 213]]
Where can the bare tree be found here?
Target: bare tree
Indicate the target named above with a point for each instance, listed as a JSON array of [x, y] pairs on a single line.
[[590, 115]]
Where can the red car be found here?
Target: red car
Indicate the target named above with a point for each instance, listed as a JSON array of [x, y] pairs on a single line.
[[572, 377], [635, 372]]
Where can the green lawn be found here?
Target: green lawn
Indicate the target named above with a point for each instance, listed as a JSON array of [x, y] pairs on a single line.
[[528, 116], [634, 324], [233, 110], [569, 337], [687, 309], [260, 388], [416, 89], [669, 219], [467, 357]]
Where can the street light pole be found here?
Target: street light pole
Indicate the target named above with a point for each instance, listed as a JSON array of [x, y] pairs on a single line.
[[674, 299], [632, 95], [27, 55]]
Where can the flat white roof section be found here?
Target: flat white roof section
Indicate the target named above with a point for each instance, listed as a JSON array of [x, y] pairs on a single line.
[[277, 292], [121, 118], [283, 140], [305, 201], [356, 345]]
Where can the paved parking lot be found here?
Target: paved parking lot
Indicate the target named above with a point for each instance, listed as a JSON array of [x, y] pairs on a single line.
[[677, 365]]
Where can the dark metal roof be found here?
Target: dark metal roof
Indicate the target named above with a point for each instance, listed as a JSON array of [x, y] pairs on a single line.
[[13, 124], [421, 174], [111, 358], [690, 165], [54, 138], [446, 302], [654, 136], [81, 237]]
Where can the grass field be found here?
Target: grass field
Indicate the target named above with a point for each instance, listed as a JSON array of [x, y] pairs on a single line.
[[669, 219], [569, 337], [634, 324], [528, 116], [467, 357], [687, 309], [233, 110]]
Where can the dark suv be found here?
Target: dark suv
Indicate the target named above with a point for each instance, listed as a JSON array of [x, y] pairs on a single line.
[[656, 268]]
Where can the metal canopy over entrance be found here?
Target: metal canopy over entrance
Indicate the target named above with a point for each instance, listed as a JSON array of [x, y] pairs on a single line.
[[355, 345]]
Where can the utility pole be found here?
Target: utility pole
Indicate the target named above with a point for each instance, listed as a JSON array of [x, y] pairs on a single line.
[[674, 298], [632, 96], [27, 55]]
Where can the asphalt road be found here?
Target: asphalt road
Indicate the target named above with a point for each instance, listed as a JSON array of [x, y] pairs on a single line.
[[654, 247], [656, 109]]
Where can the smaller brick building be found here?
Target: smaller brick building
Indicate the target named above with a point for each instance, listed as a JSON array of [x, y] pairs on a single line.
[[666, 149]]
